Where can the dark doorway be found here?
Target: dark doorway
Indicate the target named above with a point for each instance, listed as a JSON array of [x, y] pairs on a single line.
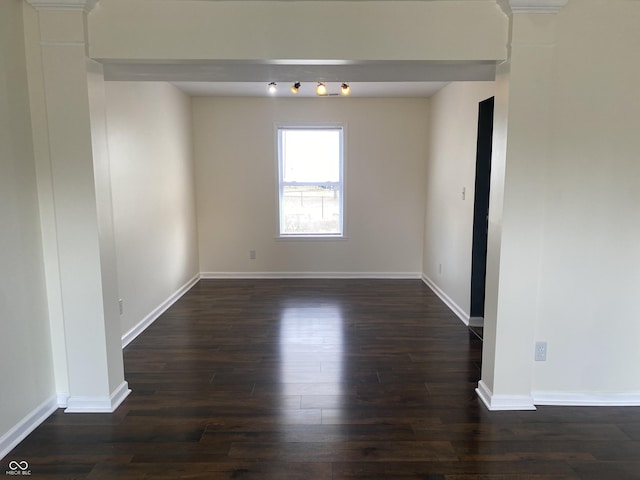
[[481, 211]]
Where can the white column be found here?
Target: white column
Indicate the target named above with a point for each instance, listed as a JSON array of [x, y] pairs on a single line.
[[521, 149], [77, 182]]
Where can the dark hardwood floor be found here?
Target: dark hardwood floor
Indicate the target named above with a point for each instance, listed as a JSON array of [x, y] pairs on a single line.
[[321, 379]]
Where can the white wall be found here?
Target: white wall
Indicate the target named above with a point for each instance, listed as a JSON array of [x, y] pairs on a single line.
[[256, 30], [590, 271], [149, 137], [453, 127], [26, 374], [385, 151]]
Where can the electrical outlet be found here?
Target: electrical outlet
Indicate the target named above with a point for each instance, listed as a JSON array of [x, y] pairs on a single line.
[[541, 352], [121, 306], [252, 254], [440, 268]]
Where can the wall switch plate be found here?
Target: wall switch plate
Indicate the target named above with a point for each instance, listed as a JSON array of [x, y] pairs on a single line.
[[541, 352]]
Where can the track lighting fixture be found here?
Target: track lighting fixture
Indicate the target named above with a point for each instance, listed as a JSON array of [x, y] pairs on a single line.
[[321, 89]]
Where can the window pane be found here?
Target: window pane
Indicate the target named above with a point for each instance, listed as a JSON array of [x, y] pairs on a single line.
[[311, 210], [311, 155], [310, 166]]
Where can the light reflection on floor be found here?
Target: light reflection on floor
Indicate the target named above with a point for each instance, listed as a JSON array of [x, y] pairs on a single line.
[[311, 359]]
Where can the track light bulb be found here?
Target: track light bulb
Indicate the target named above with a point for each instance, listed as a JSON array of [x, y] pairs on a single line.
[[295, 88], [321, 89], [345, 89], [272, 87]]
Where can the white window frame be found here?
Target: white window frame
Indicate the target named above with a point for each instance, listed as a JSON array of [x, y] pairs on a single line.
[[281, 183]]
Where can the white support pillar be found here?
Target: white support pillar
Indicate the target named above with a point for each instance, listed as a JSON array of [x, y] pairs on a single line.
[[521, 149], [73, 127]]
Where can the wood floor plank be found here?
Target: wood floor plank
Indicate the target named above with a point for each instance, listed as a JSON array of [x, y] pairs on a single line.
[[357, 451], [321, 380], [431, 469]]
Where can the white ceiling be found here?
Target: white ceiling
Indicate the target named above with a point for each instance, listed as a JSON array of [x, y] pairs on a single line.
[[249, 78]]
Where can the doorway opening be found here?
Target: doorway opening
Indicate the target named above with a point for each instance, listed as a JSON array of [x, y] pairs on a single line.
[[481, 215]]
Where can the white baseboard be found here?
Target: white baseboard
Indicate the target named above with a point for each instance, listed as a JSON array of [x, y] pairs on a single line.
[[453, 306], [276, 275], [559, 399], [78, 404], [27, 425], [503, 402], [587, 399], [62, 399], [128, 337]]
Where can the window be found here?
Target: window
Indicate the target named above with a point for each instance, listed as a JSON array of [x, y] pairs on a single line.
[[310, 168]]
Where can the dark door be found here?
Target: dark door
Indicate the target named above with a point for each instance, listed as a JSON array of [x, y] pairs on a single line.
[[481, 208]]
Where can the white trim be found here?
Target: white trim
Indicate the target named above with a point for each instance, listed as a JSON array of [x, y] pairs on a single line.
[[587, 399], [310, 238], [128, 337], [503, 402], [98, 404], [27, 425], [364, 275], [63, 5], [282, 128], [62, 398], [532, 6], [453, 306], [484, 393]]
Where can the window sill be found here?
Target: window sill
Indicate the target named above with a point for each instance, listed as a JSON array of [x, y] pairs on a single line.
[[312, 238]]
